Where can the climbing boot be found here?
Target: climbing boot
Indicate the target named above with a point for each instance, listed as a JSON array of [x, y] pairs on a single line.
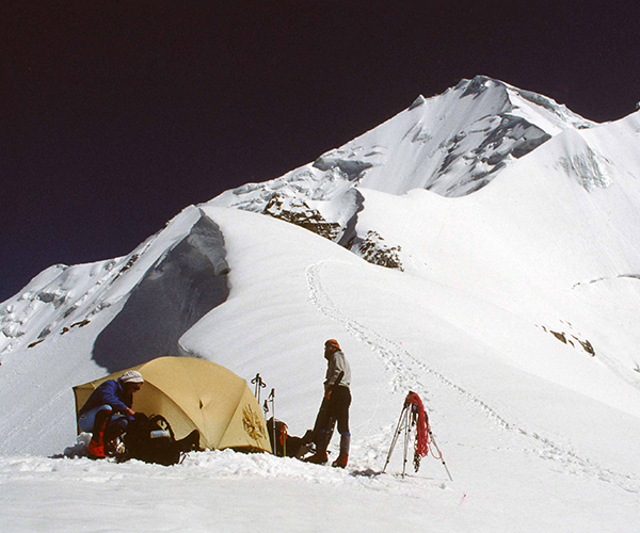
[[96, 446], [341, 461], [318, 458]]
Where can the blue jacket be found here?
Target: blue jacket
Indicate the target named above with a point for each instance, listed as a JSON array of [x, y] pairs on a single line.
[[108, 393]]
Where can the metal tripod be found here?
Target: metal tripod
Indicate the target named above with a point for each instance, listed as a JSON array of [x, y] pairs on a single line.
[[406, 421]]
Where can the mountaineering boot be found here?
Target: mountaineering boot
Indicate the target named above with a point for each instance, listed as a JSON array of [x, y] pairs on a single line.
[[96, 446], [345, 444], [96, 449], [318, 458], [341, 461]]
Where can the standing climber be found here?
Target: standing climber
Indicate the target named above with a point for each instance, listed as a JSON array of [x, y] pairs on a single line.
[[335, 406]]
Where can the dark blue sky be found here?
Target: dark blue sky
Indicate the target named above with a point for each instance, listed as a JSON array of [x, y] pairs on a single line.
[[115, 115]]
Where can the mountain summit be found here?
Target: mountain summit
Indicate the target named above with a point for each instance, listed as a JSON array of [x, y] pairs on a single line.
[[452, 144]]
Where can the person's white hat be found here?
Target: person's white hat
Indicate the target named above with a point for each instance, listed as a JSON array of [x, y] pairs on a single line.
[[131, 376]]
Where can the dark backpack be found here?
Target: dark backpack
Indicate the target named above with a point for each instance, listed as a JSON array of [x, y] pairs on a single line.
[[151, 439], [279, 446], [285, 444]]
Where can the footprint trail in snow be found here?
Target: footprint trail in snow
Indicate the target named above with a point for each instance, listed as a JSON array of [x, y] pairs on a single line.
[[409, 373]]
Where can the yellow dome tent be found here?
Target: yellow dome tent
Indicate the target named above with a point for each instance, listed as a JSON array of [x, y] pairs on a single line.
[[197, 394]]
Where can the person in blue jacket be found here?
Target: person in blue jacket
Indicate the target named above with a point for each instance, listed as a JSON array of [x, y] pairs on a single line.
[[107, 412]]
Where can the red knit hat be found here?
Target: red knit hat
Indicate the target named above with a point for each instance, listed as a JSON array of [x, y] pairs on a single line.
[[332, 343]]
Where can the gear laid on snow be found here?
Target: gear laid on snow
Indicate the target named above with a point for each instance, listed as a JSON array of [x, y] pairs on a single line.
[[285, 445], [151, 439]]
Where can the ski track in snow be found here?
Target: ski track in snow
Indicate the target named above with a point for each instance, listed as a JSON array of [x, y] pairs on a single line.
[[406, 372]]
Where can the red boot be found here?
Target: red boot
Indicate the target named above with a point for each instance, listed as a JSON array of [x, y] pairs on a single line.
[[341, 461], [318, 458], [96, 446]]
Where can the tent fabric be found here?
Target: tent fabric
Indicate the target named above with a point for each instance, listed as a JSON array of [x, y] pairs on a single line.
[[194, 393]]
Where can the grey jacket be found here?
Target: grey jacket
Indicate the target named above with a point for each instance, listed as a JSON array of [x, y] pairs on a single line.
[[337, 363]]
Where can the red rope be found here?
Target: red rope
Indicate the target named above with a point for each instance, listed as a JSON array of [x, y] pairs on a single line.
[[423, 430]]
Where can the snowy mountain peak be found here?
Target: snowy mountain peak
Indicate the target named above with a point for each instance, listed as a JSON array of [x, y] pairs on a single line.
[[456, 143], [452, 144], [519, 99]]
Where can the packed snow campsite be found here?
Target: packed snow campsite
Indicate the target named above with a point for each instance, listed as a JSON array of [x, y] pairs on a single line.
[[480, 249]]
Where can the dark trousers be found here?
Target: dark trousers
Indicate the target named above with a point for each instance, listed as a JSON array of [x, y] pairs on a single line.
[[335, 410]]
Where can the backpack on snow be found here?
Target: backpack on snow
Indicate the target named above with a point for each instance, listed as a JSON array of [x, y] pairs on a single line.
[[286, 445], [151, 439]]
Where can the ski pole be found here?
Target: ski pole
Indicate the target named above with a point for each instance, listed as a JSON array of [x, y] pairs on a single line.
[[259, 385], [407, 437], [272, 397]]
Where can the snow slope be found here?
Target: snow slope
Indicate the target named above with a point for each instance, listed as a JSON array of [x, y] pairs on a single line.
[[511, 307]]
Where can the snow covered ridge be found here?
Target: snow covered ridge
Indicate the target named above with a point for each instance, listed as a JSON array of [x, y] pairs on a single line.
[[171, 279], [453, 144]]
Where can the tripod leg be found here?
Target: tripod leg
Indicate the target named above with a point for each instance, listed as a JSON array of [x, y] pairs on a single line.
[[395, 438], [406, 442], [440, 455]]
